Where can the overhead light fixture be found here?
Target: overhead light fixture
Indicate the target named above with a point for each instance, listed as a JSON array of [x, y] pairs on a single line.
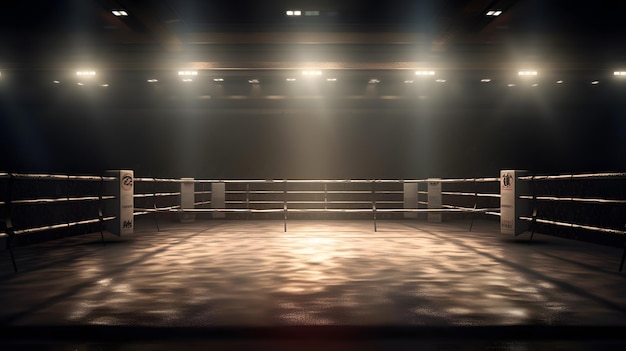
[[494, 13], [424, 73], [620, 73], [56, 82], [120, 13], [218, 80], [595, 82], [85, 73], [293, 13], [104, 85], [152, 80], [510, 85], [527, 73], [440, 80], [311, 73], [485, 80], [331, 79], [291, 79], [253, 81], [409, 81], [187, 73], [373, 81], [535, 85], [559, 82], [79, 83]]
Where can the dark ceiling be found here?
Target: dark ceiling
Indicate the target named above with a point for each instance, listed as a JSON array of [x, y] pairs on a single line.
[[348, 34]]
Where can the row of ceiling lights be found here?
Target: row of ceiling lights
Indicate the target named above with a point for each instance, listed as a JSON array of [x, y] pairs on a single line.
[[187, 76]]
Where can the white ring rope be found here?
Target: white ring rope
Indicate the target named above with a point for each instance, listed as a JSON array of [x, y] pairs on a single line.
[[62, 199], [574, 225], [63, 225], [576, 176], [359, 210], [573, 199], [60, 177]]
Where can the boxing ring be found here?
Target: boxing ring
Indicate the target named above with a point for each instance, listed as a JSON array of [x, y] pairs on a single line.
[[42, 203]]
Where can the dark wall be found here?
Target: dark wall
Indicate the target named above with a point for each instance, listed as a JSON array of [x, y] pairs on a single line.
[[466, 130]]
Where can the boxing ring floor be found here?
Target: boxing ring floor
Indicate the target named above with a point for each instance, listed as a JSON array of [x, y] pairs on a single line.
[[237, 273]]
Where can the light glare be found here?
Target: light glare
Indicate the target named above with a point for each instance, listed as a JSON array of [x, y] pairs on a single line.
[[152, 80], [485, 80], [527, 73], [187, 73], [218, 80], [311, 73], [424, 73], [86, 73], [253, 81], [619, 73], [373, 81]]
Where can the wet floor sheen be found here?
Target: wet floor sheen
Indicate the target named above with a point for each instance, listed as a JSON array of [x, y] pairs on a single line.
[[251, 273]]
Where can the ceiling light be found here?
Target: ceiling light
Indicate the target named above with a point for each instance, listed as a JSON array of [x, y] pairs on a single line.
[[331, 79], [218, 80], [619, 73], [510, 85], [440, 81], [187, 73], [104, 85], [253, 81], [293, 13], [595, 82], [120, 13], [559, 82], [291, 79], [527, 73], [373, 81], [408, 81], [424, 73], [56, 82], [485, 80], [311, 73], [494, 13], [86, 73], [152, 80], [535, 85], [79, 83]]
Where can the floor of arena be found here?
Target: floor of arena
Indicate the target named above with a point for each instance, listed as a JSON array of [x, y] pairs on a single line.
[[222, 275]]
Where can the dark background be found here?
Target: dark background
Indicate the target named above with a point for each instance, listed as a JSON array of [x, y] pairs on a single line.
[[460, 130]]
